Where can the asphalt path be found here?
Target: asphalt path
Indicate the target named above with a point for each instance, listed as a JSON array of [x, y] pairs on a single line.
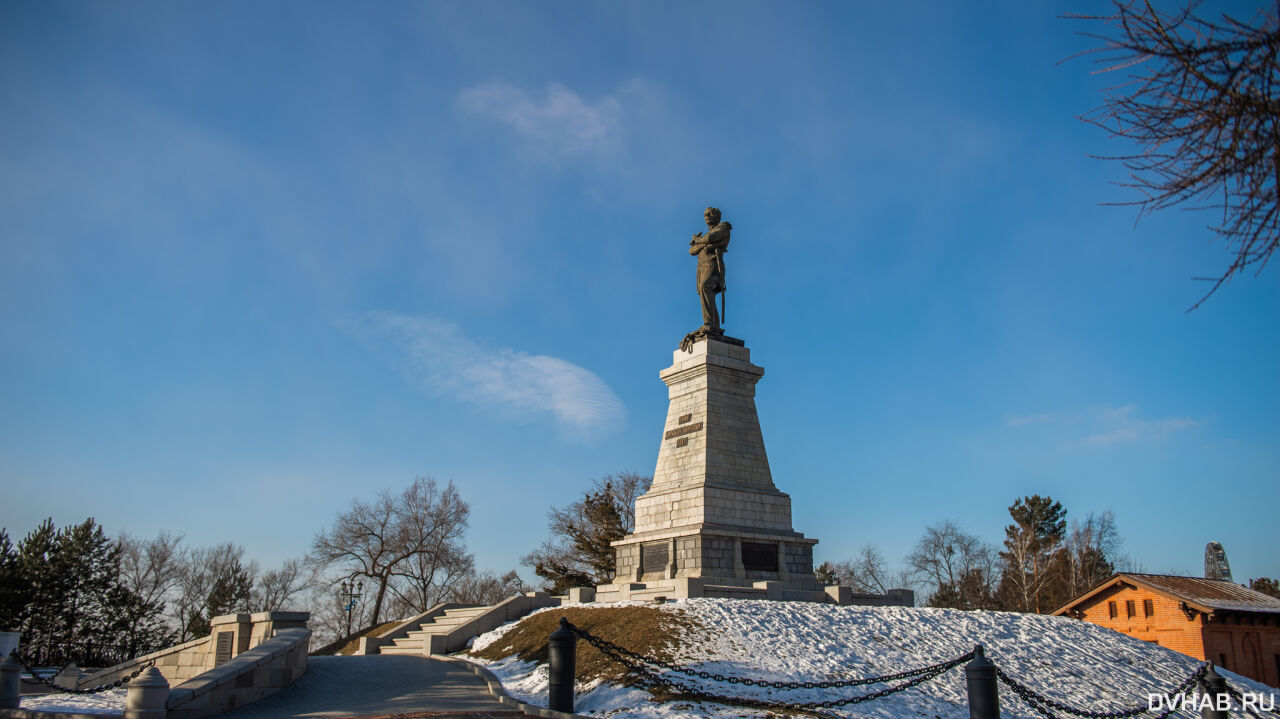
[[379, 686]]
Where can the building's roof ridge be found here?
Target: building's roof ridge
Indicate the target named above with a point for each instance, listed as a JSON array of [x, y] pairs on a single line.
[[1205, 594]]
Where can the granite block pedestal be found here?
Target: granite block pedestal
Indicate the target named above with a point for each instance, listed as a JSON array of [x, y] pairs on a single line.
[[713, 523]]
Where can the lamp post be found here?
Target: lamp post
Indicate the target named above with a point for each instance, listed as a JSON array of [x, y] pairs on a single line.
[[350, 594]]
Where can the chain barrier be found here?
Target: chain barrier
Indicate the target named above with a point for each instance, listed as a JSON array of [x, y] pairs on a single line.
[[1042, 704], [608, 647], [95, 690], [642, 665], [1235, 694]]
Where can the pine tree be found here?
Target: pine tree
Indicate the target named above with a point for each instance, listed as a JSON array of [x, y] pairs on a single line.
[[231, 591], [1265, 585], [580, 550], [39, 618], [88, 566], [1031, 544], [15, 590], [68, 583]]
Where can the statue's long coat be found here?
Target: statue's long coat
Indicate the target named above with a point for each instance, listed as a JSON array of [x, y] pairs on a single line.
[[710, 278]]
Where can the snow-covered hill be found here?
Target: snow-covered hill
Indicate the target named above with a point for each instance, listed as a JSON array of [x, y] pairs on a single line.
[[1077, 663]]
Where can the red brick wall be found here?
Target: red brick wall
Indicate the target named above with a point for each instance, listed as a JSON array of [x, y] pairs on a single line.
[[1251, 650]]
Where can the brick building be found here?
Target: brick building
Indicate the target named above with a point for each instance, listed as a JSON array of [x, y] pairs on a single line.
[[1209, 619]]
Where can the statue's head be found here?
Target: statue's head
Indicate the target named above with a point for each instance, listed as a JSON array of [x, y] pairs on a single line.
[[712, 216]]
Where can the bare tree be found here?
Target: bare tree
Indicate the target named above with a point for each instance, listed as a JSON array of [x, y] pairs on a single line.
[[328, 622], [958, 568], [438, 519], [486, 588], [865, 572], [201, 570], [1090, 551], [376, 540], [1203, 104], [275, 588], [151, 569]]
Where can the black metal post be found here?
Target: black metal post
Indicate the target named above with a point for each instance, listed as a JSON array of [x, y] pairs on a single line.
[[562, 657], [350, 595], [984, 694], [1216, 688]]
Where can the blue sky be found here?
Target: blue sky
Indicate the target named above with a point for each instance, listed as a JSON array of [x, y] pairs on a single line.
[[257, 260]]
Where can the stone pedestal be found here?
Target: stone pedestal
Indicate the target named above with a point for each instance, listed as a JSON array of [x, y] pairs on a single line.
[[713, 522]]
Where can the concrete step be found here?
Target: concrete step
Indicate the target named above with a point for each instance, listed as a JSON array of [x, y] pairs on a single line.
[[730, 592], [467, 612], [449, 621], [413, 651]]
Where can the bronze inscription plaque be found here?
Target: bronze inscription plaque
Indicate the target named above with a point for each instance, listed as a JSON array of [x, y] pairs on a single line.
[[685, 418], [688, 429], [682, 442], [222, 650], [759, 557], [653, 557]]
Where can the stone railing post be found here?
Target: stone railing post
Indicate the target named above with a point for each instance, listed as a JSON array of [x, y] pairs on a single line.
[[984, 695], [1216, 687], [561, 656], [148, 696], [10, 681]]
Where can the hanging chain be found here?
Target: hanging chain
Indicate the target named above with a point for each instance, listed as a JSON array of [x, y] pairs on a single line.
[[95, 690], [1240, 698], [608, 647], [643, 666], [1042, 704]]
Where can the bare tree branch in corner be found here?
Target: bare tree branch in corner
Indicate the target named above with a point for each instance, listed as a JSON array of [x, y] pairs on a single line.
[[1203, 104]]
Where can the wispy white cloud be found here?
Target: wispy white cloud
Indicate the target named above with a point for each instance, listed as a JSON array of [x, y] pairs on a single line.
[[1129, 428], [1105, 425], [557, 120], [514, 384]]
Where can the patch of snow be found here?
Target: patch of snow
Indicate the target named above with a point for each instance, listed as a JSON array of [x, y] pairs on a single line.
[[107, 703], [1077, 663], [479, 643]]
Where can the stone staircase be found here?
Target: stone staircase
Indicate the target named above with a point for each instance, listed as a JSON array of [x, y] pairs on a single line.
[[418, 642], [447, 628]]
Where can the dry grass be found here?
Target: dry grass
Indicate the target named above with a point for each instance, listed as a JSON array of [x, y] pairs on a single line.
[[353, 642], [645, 630]]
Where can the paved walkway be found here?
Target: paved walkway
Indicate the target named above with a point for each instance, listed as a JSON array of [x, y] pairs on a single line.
[[379, 686]]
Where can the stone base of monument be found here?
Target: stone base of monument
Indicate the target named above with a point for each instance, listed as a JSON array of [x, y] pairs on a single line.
[[697, 587], [713, 524]]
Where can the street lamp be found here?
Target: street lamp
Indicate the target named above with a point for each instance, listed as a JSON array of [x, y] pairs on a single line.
[[349, 596]]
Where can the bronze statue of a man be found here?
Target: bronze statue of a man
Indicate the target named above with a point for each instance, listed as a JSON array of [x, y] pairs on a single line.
[[710, 248]]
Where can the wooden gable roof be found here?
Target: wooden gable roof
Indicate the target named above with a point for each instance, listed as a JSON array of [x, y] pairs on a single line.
[[1205, 595]]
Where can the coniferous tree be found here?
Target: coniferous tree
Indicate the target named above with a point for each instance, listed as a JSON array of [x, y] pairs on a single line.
[[15, 590], [230, 593], [88, 565], [1265, 585], [39, 619], [1031, 545], [72, 598], [580, 550]]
